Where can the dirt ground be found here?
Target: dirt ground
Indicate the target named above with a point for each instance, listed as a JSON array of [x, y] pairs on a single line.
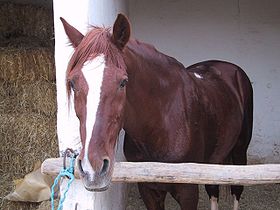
[[261, 197]]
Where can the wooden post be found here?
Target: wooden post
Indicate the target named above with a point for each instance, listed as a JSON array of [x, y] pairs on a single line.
[[184, 172]]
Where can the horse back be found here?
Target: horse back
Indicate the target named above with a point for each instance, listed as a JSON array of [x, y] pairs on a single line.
[[223, 77]]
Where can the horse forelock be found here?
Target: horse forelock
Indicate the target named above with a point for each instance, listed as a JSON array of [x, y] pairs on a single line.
[[96, 42]]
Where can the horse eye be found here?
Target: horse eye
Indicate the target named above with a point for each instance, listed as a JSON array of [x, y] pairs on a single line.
[[72, 85], [123, 83]]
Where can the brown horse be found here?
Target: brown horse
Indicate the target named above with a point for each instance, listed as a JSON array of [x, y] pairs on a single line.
[[170, 113]]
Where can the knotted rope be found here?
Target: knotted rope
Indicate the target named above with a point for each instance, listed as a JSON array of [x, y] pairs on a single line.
[[65, 172]]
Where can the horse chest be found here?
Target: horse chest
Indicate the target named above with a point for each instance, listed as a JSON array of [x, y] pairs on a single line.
[[163, 145]]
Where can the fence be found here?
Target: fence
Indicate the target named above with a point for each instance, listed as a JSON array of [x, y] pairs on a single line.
[[183, 172]]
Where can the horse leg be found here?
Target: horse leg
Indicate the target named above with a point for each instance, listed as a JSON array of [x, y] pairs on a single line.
[[153, 199], [219, 156], [213, 193], [239, 157], [239, 152], [226, 142], [186, 195], [236, 190]]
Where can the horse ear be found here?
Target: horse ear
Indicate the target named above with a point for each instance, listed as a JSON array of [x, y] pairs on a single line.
[[121, 31], [73, 34]]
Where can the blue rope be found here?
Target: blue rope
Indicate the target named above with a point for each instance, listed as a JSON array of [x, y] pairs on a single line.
[[69, 173]]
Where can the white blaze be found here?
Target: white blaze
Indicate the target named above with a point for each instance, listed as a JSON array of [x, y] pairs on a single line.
[[93, 71]]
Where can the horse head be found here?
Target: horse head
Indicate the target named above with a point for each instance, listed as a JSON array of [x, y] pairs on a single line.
[[97, 77]]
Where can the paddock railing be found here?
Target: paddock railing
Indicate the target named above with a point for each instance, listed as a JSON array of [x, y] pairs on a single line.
[[192, 173]]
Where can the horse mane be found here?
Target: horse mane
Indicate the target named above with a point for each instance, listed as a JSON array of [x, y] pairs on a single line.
[[96, 42]]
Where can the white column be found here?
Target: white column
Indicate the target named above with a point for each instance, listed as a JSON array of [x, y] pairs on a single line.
[[80, 14]]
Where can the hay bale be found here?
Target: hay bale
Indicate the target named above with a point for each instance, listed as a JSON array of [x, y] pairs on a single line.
[[26, 20], [25, 139], [24, 42], [27, 94], [27, 64], [29, 97]]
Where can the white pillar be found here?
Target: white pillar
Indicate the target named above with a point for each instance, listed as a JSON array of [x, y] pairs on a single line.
[[80, 14]]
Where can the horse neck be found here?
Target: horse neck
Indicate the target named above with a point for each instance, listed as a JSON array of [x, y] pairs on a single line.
[[149, 67], [153, 78], [143, 74]]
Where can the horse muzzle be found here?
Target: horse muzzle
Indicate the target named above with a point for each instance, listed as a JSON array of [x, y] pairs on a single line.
[[95, 181]]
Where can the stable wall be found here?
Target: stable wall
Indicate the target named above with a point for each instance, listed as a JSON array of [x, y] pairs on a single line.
[[245, 32]]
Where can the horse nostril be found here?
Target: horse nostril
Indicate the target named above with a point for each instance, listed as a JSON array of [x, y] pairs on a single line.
[[105, 167], [80, 166]]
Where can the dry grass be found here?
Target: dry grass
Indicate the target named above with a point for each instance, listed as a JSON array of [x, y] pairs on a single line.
[[27, 94], [26, 64], [25, 139], [24, 42], [46, 205], [25, 20], [27, 132], [36, 97]]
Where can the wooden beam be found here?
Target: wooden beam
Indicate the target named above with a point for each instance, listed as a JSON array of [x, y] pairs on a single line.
[[183, 172]]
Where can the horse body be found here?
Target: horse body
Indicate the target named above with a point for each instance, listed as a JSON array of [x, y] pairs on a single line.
[[182, 113], [202, 113], [176, 114]]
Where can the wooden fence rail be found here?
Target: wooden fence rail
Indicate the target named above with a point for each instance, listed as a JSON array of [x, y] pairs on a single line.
[[183, 172]]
